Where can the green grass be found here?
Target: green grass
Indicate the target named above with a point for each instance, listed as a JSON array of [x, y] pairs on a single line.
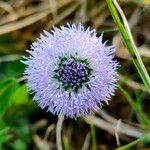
[[134, 143], [123, 29]]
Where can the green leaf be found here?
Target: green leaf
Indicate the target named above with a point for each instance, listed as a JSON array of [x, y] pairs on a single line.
[[4, 85], [4, 136], [6, 90], [12, 94], [12, 69], [21, 127], [2, 124], [21, 95]]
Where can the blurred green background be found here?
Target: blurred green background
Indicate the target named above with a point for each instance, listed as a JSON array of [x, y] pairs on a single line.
[[25, 126]]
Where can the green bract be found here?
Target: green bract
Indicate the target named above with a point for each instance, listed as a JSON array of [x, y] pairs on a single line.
[[72, 73]]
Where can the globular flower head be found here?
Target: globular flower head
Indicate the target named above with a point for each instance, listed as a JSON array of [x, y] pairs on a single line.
[[71, 71]]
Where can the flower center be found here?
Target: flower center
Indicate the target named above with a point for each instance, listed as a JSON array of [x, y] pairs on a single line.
[[72, 73]]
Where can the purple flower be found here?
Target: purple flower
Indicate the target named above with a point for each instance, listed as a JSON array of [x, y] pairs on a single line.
[[71, 71]]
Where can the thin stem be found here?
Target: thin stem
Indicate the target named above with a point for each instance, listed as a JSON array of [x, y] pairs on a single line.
[[131, 144], [58, 132], [86, 142], [93, 136], [140, 115], [65, 143], [128, 40]]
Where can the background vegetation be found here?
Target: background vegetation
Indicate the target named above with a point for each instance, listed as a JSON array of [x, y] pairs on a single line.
[[126, 121]]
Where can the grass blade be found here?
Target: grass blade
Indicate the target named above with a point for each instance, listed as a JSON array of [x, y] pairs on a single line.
[[127, 37]]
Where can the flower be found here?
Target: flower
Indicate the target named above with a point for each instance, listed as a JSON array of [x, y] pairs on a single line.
[[71, 71]]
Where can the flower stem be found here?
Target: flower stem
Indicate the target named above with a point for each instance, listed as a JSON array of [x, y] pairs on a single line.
[[58, 132]]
